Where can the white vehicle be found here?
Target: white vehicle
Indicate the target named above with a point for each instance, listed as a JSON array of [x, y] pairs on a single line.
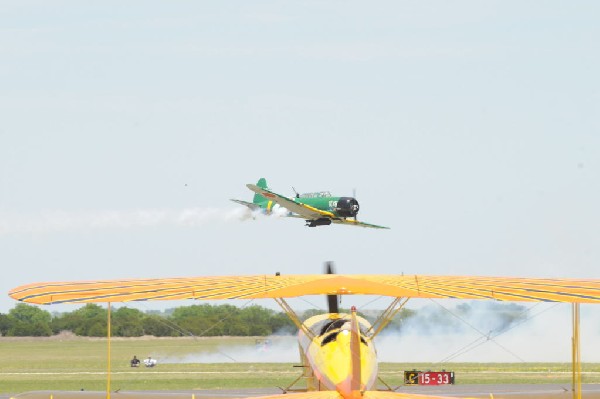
[[149, 362]]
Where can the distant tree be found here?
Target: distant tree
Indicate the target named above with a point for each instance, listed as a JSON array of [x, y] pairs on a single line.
[[96, 329], [281, 324], [226, 321], [159, 326], [127, 322], [28, 320], [64, 322], [209, 320], [257, 319], [4, 324], [94, 318], [199, 320], [29, 313], [88, 321]]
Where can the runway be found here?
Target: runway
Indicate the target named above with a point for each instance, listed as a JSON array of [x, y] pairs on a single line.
[[505, 391]]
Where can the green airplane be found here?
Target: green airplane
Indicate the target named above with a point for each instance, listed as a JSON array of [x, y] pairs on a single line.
[[318, 209]]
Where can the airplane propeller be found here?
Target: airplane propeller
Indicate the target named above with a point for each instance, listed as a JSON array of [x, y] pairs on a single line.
[[354, 196], [332, 300]]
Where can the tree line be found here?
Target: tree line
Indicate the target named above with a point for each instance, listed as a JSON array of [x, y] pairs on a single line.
[[227, 320], [91, 320]]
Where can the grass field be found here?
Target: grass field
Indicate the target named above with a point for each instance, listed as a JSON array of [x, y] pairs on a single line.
[[73, 363]]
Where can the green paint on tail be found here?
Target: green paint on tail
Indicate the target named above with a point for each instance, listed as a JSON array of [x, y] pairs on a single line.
[[258, 199]]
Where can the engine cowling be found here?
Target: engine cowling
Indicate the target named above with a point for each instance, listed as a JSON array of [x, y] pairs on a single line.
[[347, 207]]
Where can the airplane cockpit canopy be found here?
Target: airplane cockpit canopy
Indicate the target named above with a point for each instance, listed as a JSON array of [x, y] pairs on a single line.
[[340, 323], [318, 194], [330, 329]]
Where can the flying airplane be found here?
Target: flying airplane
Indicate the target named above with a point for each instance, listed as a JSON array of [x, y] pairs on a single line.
[[337, 349], [318, 209]]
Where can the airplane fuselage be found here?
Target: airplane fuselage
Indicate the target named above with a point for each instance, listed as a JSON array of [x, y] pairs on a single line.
[[338, 356], [340, 207]]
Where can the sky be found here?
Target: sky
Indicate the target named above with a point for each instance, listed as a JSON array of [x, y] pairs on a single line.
[[471, 128]]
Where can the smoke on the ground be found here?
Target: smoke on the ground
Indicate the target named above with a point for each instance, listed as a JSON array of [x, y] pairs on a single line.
[[483, 332]]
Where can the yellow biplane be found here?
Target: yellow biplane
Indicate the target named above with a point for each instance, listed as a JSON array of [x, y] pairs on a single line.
[[337, 349]]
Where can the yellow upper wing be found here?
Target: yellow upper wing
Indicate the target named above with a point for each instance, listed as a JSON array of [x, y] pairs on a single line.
[[270, 286]]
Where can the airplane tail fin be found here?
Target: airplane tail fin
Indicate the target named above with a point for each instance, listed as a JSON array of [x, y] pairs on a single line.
[[262, 183]]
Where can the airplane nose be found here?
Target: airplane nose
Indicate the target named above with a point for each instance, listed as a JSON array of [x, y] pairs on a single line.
[[347, 207], [355, 207]]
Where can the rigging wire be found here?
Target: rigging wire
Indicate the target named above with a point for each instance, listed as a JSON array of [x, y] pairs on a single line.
[[312, 304], [172, 325], [373, 300], [484, 335], [490, 335]]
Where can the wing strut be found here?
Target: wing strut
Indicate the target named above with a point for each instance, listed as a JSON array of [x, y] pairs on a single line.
[[576, 387], [108, 333], [294, 317], [387, 315], [355, 350]]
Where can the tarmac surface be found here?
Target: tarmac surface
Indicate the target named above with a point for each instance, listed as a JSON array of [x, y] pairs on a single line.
[[512, 391]]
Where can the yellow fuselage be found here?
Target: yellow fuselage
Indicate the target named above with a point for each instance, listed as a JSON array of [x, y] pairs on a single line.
[[334, 361]]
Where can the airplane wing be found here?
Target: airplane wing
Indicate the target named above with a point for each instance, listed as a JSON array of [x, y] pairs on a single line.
[[286, 286], [306, 211], [352, 222], [250, 205]]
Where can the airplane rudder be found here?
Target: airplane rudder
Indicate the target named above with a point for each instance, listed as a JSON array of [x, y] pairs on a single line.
[[262, 183]]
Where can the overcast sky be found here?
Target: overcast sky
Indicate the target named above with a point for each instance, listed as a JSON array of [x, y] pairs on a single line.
[[471, 128]]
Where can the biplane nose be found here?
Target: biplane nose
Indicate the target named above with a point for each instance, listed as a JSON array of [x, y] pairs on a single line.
[[347, 207]]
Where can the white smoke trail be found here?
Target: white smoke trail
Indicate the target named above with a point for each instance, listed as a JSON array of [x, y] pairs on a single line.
[[279, 211], [281, 349], [63, 221], [544, 337]]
